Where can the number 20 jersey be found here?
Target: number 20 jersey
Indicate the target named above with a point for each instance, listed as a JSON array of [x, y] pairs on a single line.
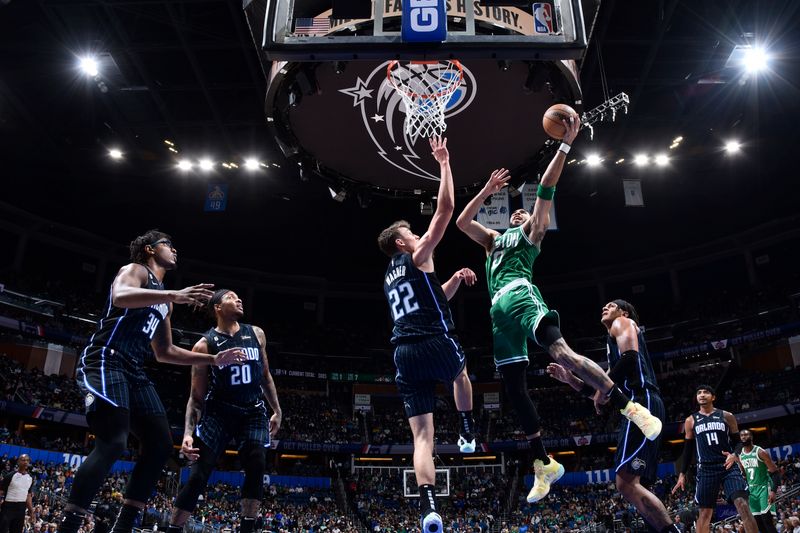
[[417, 302], [238, 384]]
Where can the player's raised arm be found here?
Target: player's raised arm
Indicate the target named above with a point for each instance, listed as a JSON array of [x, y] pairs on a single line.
[[451, 285], [166, 352], [445, 203], [536, 226], [128, 290], [474, 229], [268, 385], [624, 331]]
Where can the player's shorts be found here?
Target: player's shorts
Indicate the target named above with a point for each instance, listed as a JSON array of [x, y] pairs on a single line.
[[518, 309], [423, 364], [222, 422], [107, 375], [759, 500], [709, 479], [636, 454]]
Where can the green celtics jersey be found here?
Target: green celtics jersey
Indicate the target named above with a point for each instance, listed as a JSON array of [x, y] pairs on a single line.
[[511, 258], [754, 468]]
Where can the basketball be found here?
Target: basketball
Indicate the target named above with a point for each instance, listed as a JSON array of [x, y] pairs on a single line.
[[551, 121]]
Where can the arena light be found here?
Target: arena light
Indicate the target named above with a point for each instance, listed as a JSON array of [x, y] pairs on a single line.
[[185, 165], [89, 66], [755, 60], [206, 164], [661, 160], [733, 147], [251, 164], [593, 160], [115, 153], [641, 160], [620, 160]]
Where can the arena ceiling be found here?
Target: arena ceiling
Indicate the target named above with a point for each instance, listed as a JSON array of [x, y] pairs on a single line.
[[188, 72]]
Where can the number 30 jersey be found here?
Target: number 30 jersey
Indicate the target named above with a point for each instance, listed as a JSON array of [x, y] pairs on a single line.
[[238, 384], [416, 301], [129, 331]]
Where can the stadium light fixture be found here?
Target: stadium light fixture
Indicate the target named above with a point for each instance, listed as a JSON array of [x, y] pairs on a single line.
[[732, 147], [593, 160], [755, 60], [641, 160], [115, 153], [206, 164], [661, 160], [185, 165], [251, 164], [89, 66]]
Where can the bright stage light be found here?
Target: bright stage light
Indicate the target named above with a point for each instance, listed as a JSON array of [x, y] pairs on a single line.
[[89, 66], [206, 164], [251, 164], [115, 153], [185, 165], [755, 60], [641, 160], [732, 147], [661, 160], [593, 160]]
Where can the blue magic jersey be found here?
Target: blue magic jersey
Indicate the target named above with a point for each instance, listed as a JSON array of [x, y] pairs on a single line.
[[416, 301], [130, 331], [238, 384], [711, 435], [641, 378]]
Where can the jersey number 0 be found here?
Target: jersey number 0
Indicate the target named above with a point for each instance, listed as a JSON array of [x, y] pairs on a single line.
[[402, 301]]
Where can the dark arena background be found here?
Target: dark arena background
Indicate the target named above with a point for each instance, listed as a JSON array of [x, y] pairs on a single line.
[[264, 139]]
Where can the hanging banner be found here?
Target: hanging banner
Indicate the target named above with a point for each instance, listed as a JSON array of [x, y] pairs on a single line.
[[528, 191], [494, 212], [633, 193], [216, 197]]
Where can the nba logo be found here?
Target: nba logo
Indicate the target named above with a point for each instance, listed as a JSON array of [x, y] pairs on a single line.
[[542, 18]]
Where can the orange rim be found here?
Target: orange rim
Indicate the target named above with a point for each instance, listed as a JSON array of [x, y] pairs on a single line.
[[411, 94]]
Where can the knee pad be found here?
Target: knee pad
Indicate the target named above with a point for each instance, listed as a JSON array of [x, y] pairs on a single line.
[[516, 385], [254, 463], [186, 499]]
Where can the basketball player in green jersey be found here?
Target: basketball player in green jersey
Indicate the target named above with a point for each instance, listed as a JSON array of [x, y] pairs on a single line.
[[763, 479], [518, 312]]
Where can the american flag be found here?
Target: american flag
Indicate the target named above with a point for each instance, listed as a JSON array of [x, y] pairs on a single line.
[[312, 26]]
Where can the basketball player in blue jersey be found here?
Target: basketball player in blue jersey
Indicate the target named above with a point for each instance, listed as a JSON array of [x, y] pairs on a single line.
[[228, 402], [120, 399], [713, 434], [631, 369], [426, 350]]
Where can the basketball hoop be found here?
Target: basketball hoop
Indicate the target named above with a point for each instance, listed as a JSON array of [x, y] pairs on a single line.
[[426, 88]]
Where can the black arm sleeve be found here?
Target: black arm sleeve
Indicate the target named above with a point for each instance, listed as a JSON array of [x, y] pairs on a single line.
[[687, 456], [624, 367], [776, 479]]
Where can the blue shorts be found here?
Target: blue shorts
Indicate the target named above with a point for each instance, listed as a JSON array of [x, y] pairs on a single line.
[[222, 422], [709, 479], [107, 375], [635, 454], [423, 364]]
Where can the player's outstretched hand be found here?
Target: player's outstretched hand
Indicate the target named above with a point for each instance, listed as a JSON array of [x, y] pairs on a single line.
[[556, 371], [572, 126], [467, 276], [498, 179], [188, 450], [194, 295], [231, 356], [274, 424], [680, 485], [439, 150], [730, 459], [600, 400]]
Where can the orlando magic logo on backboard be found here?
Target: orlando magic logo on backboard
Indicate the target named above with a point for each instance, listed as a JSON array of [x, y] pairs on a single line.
[[383, 112]]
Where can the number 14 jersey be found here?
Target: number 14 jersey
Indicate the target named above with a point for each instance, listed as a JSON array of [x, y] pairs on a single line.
[[417, 302], [237, 384]]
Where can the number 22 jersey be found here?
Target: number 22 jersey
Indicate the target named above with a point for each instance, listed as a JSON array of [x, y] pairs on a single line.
[[417, 301]]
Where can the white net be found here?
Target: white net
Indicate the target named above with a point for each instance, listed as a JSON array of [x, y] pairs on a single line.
[[426, 89]]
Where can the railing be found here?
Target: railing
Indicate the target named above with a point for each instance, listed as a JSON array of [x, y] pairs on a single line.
[[788, 493]]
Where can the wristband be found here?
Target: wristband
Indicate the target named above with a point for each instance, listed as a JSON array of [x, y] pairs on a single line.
[[564, 148], [545, 193]]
